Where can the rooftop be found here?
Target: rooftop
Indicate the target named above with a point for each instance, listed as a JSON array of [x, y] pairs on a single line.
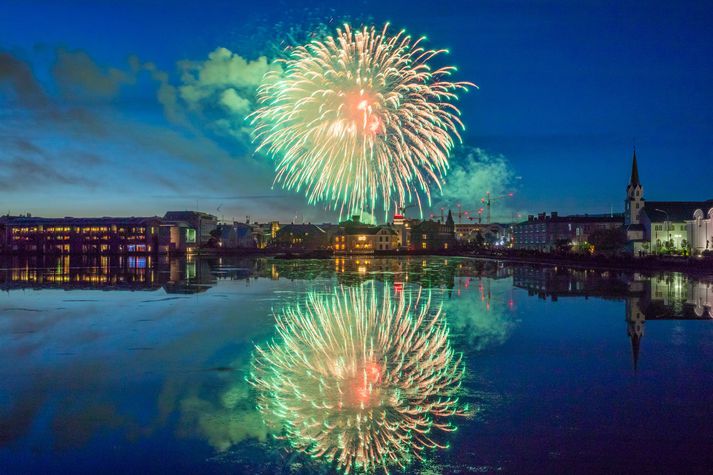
[[661, 211], [70, 221]]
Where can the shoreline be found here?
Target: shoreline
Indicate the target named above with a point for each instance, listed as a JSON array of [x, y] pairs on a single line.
[[649, 264]]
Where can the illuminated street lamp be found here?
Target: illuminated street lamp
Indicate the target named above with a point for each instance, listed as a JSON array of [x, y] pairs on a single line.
[[668, 221]]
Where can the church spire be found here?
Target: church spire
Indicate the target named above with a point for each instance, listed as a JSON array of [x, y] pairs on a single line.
[[449, 219], [634, 172], [635, 346]]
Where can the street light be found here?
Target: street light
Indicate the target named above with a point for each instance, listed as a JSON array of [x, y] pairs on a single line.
[[668, 227]]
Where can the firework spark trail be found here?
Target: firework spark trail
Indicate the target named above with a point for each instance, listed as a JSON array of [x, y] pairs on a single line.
[[359, 118], [358, 379]]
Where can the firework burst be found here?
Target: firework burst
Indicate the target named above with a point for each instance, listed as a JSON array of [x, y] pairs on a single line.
[[358, 380], [360, 120]]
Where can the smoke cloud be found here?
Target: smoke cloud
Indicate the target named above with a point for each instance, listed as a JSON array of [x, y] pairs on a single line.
[[481, 314], [474, 173], [222, 89]]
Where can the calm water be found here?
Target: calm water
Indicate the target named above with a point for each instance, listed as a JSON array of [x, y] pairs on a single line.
[[133, 366]]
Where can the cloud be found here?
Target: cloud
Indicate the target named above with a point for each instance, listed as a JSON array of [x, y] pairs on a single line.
[[24, 165], [72, 136], [79, 77], [19, 81], [220, 90], [474, 173], [85, 132], [234, 103], [481, 315], [223, 423]]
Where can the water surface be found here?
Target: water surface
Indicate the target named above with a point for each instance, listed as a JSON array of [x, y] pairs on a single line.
[[130, 365]]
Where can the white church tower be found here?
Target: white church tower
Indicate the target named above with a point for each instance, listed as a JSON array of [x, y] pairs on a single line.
[[634, 196]]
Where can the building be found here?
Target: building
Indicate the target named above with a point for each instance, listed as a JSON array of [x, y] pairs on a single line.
[[355, 237], [302, 237], [662, 226], [493, 234], [433, 235], [177, 237], [204, 224], [467, 232], [27, 234], [263, 234], [236, 236], [700, 231], [549, 233], [402, 226]]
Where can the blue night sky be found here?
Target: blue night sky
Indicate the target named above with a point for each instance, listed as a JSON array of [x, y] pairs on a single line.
[[118, 108]]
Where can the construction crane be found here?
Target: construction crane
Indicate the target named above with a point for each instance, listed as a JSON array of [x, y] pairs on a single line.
[[403, 209], [487, 200], [473, 215]]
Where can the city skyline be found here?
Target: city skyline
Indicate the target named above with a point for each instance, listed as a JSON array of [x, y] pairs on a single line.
[[133, 116]]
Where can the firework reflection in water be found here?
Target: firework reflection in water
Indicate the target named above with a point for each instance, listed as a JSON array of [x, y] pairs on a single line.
[[360, 379]]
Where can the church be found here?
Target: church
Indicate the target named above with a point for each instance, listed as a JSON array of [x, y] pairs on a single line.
[[665, 226]]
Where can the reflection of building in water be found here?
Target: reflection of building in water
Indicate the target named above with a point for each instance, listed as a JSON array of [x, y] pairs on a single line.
[[670, 297], [635, 319], [663, 297], [557, 282], [80, 272], [429, 272], [360, 379]]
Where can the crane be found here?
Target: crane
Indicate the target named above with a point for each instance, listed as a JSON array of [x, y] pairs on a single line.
[[471, 215], [403, 208], [487, 199]]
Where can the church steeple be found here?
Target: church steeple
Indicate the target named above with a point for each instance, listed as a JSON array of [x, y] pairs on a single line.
[[635, 320], [635, 347], [634, 172], [449, 219], [634, 195]]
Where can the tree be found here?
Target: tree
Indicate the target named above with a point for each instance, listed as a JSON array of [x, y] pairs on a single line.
[[608, 240], [563, 245], [479, 240]]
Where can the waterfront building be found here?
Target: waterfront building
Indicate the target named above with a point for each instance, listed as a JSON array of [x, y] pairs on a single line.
[[355, 237], [236, 236], [402, 226], [549, 233], [264, 233], [177, 237], [433, 235], [494, 234], [467, 232], [700, 231], [662, 226], [303, 237], [27, 234], [203, 223]]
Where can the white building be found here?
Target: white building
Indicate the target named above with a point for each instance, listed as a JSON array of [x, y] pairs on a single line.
[[700, 230], [661, 226]]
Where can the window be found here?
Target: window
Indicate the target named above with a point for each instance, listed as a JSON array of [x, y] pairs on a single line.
[[190, 235]]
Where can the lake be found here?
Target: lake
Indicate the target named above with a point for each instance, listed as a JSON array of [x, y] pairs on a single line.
[[411, 365]]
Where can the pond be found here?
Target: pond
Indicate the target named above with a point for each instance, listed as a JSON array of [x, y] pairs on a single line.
[[406, 365]]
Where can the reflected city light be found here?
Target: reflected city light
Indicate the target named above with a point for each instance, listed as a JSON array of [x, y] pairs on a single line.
[[360, 378]]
